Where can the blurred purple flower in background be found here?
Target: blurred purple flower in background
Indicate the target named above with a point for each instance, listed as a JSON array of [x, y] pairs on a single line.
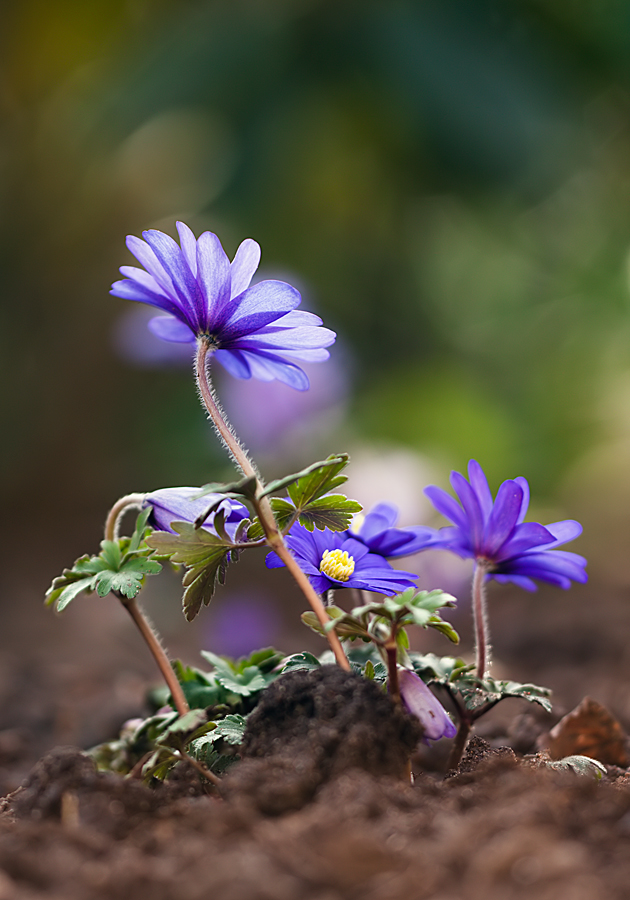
[[494, 534], [420, 702], [334, 559], [379, 535], [176, 505], [240, 623], [252, 328]]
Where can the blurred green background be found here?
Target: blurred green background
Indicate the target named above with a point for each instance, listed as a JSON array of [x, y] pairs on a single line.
[[447, 181]]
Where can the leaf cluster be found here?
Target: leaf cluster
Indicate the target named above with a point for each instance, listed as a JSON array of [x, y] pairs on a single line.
[[387, 619], [121, 566], [309, 500], [475, 695]]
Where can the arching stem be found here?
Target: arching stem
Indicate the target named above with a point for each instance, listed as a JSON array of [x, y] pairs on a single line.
[[263, 508], [145, 628]]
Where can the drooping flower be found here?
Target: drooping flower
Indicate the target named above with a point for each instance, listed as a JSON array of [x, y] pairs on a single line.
[[493, 532], [254, 330], [335, 559], [177, 505], [379, 535], [421, 702]]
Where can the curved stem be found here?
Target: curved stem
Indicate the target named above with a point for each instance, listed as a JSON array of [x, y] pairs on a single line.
[[216, 414], [392, 671], [262, 505], [480, 619], [158, 652], [118, 510], [459, 744]]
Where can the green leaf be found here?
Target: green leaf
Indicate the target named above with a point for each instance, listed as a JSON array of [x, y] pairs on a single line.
[[580, 765], [111, 554], [139, 531], [246, 487], [333, 511], [129, 579], [313, 481], [205, 556], [63, 596]]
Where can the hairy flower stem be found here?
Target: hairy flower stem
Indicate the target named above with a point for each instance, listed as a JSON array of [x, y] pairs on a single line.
[[147, 631], [480, 619], [267, 519], [118, 510], [158, 652]]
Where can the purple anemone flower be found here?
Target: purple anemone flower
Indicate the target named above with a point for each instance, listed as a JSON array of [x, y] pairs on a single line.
[[494, 534], [252, 328], [176, 505], [379, 535], [420, 702], [335, 559]]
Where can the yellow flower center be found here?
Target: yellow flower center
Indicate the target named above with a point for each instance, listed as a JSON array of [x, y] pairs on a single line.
[[337, 564]]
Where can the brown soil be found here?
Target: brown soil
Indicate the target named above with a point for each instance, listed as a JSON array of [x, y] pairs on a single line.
[[501, 829]]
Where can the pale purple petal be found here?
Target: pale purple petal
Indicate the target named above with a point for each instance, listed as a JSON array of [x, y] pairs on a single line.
[[188, 243], [422, 703], [304, 338], [171, 329], [130, 290], [234, 362], [469, 501], [244, 266], [213, 275], [563, 532], [143, 278], [520, 580], [172, 259], [147, 258], [382, 516], [258, 306], [297, 317], [270, 368]]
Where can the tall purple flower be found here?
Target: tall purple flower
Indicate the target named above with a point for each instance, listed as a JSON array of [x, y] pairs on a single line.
[[252, 328], [334, 559], [379, 535], [177, 505], [494, 534]]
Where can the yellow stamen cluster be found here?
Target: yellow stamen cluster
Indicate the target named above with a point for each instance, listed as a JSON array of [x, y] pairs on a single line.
[[337, 564]]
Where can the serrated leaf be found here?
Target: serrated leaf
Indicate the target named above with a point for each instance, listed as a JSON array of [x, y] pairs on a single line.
[[111, 554], [323, 471], [63, 596], [333, 511]]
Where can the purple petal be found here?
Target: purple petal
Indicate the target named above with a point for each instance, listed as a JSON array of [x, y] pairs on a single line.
[[519, 580], [259, 306], [213, 275], [469, 501], [244, 266], [317, 355], [273, 561], [526, 536], [171, 329], [321, 584], [172, 259], [380, 518], [131, 290], [304, 338], [479, 484], [144, 279], [176, 505], [267, 367], [423, 704], [147, 258], [554, 566], [525, 502], [563, 532], [297, 317], [447, 506], [421, 537], [503, 517], [188, 243], [234, 362]]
